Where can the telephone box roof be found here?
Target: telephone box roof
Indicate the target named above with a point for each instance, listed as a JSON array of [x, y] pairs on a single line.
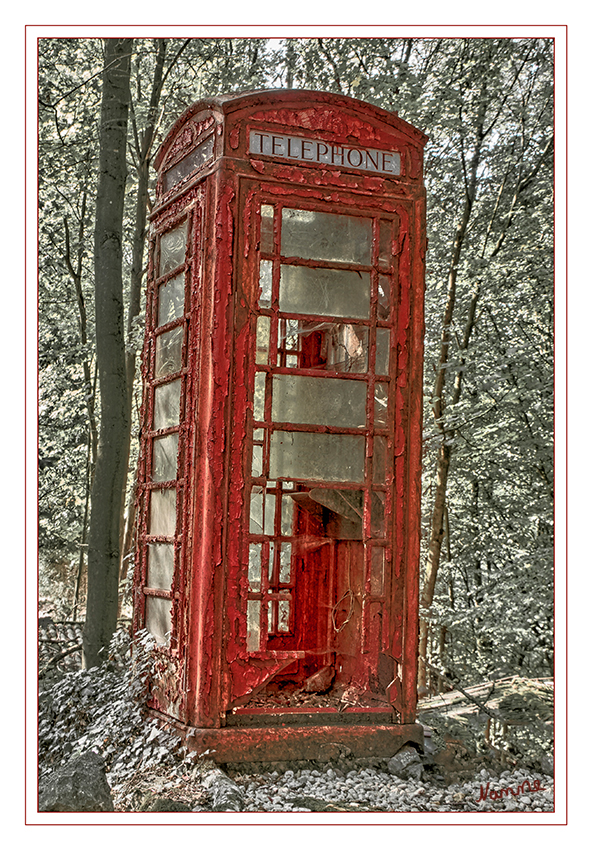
[[251, 103]]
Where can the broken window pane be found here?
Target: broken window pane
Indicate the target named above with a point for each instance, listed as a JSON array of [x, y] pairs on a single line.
[[158, 618], [169, 347], [171, 300], [384, 296], [318, 401], [161, 560], [167, 398], [322, 457], [324, 292], [326, 236], [283, 624], [163, 512], [381, 393], [172, 248], [164, 458]]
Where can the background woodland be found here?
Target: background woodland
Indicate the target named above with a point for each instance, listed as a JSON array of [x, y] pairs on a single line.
[[487, 106]]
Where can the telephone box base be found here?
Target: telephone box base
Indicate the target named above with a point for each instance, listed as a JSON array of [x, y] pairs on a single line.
[[295, 742]]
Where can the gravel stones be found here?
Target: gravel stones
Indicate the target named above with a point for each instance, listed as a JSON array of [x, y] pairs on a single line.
[[376, 789]]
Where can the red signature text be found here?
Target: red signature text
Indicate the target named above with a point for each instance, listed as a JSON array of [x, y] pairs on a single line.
[[524, 787]]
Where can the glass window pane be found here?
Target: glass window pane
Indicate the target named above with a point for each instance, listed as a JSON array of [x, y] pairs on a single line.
[[201, 154], [324, 292], [163, 513], [381, 392], [257, 465], [256, 512], [326, 236], [266, 229], [287, 515], [383, 344], [172, 248], [167, 399], [253, 625], [265, 282], [321, 457], [319, 401], [158, 618], [259, 397], [262, 353], [384, 296], [255, 567], [164, 458], [269, 513], [171, 300], [169, 348], [285, 563], [377, 520], [385, 243], [379, 460], [161, 561]]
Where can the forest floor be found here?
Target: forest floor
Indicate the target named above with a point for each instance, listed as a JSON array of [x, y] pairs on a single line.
[[486, 748]]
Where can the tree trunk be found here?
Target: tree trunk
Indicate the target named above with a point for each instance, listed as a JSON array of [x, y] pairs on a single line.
[[108, 490]]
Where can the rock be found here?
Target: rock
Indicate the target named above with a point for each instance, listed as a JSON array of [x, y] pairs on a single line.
[[406, 764], [547, 765], [320, 681], [225, 793], [79, 786]]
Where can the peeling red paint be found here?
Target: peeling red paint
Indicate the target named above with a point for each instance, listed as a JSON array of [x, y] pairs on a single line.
[[352, 586]]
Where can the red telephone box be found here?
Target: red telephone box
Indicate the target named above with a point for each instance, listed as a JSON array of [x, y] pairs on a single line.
[[279, 483]]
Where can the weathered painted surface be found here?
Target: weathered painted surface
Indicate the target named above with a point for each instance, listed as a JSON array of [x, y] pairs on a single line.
[[284, 588]]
